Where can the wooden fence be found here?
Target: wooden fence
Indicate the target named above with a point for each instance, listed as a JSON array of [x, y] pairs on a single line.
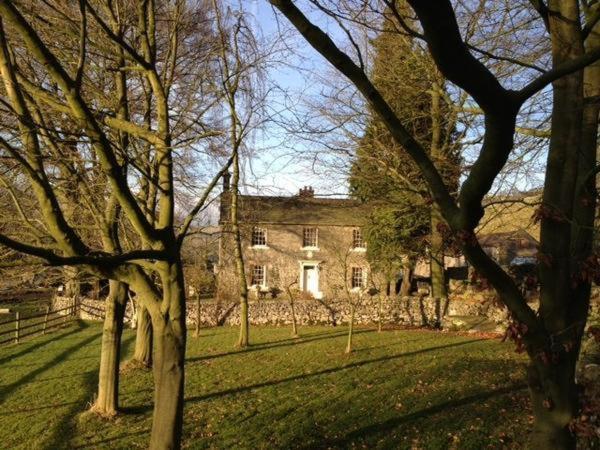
[[91, 309], [16, 329], [93, 312]]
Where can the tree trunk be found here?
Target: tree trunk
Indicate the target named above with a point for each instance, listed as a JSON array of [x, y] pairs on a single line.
[[350, 328], [379, 313], [406, 280], [244, 339], [554, 401], [169, 355], [72, 284], [565, 237], [107, 402], [293, 308], [143, 338], [438, 275], [197, 315]]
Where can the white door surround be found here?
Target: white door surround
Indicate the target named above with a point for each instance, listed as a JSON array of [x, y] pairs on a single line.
[[309, 277]]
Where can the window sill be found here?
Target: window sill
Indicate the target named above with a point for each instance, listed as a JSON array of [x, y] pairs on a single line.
[[359, 249], [310, 249], [259, 247]]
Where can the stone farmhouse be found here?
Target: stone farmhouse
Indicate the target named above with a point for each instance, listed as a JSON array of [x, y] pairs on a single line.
[[316, 245], [304, 242]]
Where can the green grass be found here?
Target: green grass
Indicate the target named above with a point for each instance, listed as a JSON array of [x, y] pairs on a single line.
[[399, 389]]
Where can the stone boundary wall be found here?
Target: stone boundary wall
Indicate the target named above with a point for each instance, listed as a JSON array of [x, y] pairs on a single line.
[[409, 311], [87, 308]]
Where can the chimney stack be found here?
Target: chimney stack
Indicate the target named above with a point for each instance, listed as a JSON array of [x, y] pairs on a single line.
[[306, 192], [224, 209], [226, 178]]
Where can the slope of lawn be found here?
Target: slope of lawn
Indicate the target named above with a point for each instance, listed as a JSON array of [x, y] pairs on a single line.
[[399, 389]]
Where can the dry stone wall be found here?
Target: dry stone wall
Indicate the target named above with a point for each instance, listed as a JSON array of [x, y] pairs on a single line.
[[407, 311], [87, 308]]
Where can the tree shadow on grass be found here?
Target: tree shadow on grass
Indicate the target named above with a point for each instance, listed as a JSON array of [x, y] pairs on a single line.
[[139, 409], [94, 444], [276, 344], [388, 345], [14, 411], [62, 377], [30, 347], [65, 430], [126, 346], [9, 388], [390, 424], [308, 335]]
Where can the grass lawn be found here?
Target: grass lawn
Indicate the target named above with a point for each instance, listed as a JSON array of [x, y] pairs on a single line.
[[399, 389]]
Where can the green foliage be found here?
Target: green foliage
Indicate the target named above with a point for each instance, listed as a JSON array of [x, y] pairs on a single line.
[[399, 389], [382, 172], [382, 169], [393, 235]]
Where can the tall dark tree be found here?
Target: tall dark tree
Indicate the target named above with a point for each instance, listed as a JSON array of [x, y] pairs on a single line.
[[407, 78]]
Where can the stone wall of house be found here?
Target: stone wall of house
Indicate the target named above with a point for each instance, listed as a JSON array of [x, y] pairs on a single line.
[[283, 256]]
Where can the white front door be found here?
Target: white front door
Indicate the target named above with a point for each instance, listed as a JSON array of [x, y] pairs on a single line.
[[310, 278]]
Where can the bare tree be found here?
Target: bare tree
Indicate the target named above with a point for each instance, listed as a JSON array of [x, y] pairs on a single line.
[[241, 67], [287, 278], [347, 275], [58, 111]]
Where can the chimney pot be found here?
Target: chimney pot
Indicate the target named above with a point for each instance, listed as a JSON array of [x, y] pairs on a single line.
[[306, 191]]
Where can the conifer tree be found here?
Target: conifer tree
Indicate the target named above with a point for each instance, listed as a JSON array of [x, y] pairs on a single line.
[[404, 223]]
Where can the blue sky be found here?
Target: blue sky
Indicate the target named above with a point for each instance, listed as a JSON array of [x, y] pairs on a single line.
[[284, 162]]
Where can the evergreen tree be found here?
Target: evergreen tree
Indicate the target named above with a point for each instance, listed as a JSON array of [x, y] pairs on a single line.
[[403, 223]]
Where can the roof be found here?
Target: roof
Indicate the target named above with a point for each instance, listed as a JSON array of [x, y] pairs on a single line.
[[503, 239], [503, 214], [510, 215], [302, 210]]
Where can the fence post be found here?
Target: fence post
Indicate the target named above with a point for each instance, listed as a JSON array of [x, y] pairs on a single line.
[[198, 314], [17, 327], [46, 319]]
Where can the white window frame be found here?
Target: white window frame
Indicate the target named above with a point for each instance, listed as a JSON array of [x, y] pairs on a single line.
[[252, 244], [310, 247], [363, 278], [362, 248], [264, 276]]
